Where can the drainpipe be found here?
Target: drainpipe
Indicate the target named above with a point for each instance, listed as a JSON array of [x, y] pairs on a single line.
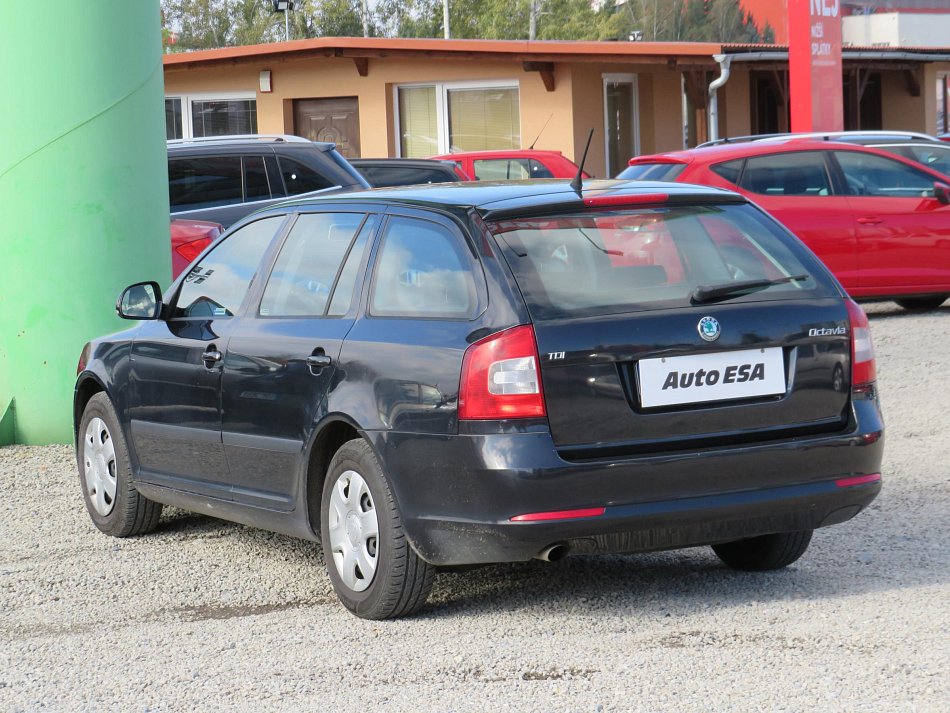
[[724, 61]]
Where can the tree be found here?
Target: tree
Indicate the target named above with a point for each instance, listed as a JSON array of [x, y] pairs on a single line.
[[202, 24]]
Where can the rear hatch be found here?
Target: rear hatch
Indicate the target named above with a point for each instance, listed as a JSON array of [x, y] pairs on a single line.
[[679, 326]]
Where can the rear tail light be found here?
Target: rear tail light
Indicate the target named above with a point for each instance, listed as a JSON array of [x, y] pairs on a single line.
[[192, 249], [500, 377], [863, 371]]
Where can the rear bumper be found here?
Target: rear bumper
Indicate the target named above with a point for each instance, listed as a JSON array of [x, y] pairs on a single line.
[[457, 494]]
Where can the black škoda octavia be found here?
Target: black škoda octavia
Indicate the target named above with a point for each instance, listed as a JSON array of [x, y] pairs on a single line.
[[465, 374]]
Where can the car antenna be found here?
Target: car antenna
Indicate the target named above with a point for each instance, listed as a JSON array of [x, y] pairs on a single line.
[[550, 116], [577, 182]]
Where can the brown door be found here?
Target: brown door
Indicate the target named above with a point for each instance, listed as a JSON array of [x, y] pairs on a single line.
[[336, 120]]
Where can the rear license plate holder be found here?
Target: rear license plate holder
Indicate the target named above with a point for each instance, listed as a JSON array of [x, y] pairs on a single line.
[[713, 376]]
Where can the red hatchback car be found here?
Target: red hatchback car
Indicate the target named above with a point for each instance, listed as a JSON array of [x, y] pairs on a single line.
[[513, 164], [880, 222]]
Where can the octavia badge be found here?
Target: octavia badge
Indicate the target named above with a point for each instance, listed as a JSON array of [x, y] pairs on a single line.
[[709, 329]]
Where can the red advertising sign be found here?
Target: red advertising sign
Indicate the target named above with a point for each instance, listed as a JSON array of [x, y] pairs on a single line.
[[814, 57]]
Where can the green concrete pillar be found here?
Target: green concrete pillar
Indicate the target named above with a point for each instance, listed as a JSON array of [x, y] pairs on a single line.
[[83, 192]]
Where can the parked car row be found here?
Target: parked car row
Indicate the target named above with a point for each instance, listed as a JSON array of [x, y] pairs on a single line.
[[215, 181], [873, 207]]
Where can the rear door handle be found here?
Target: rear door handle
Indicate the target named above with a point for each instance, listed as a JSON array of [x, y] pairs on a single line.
[[870, 220], [319, 360]]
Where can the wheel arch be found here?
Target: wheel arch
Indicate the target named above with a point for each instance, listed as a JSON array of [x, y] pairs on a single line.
[[329, 436], [88, 386]]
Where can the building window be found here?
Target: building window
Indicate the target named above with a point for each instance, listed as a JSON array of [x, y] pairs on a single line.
[[446, 117], [943, 103], [189, 117], [173, 127]]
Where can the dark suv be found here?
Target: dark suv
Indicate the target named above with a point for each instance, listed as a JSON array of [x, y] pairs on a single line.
[[471, 373], [223, 178]]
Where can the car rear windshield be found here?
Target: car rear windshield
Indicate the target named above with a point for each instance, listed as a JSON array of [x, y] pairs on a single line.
[[646, 259], [652, 171]]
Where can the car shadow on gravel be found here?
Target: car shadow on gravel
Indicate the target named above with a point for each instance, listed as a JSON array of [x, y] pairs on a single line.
[[660, 584], [680, 582], [181, 524]]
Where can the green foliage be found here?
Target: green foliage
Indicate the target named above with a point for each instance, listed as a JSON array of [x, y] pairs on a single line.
[[201, 24]]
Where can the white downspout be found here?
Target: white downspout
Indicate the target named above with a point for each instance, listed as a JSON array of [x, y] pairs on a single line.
[[724, 61]]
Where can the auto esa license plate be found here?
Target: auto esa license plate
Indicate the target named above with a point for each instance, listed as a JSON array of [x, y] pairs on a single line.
[[718, 376]]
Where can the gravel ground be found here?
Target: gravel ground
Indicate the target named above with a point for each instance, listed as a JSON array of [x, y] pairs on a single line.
[[206, 615]]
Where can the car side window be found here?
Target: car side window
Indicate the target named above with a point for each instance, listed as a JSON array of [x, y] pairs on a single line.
[[215, 287], [501, 169], [801, 173], [204, 182], [308, 264], [256, 186], [870, 175], [300, 178], [936, 157], [539, 170], [343, 291], [423, 270], [382, 176], [729, 170]]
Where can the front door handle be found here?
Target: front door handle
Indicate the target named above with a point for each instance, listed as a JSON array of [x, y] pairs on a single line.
[[870, 220], [318, 361], [211, 357]]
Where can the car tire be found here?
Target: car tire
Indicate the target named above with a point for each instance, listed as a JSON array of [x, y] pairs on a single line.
[[920, 304], [373, 568], [764, 553], [113, 503]]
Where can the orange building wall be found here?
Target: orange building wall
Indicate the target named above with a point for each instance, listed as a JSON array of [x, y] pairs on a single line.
[[573, 107], [338, 77]]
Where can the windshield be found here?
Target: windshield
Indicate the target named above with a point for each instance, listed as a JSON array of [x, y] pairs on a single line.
[[631, 260]]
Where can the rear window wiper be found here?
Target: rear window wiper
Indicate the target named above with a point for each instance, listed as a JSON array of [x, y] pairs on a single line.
[[709, 293]]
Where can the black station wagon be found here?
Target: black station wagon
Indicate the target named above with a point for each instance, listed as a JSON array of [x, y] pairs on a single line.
[[464, 374]]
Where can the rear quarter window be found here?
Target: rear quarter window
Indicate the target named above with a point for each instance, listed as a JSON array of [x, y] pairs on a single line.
[[423, 270], [729, 170]]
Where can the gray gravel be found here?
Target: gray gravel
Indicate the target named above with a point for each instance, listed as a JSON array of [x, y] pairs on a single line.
[[207, 615]]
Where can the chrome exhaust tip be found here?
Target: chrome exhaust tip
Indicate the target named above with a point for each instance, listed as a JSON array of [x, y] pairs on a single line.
[[554, 553]]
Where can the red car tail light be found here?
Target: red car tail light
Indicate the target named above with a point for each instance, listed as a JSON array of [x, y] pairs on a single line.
[[192, 249], [863, 370], [500, 377]]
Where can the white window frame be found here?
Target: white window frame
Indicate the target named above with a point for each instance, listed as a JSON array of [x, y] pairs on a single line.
[[943, 87], [187, 99], [621, 78], [441, 106]]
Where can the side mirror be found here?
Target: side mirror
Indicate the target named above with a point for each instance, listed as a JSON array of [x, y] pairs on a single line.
[[942, 192], [142, 300]]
